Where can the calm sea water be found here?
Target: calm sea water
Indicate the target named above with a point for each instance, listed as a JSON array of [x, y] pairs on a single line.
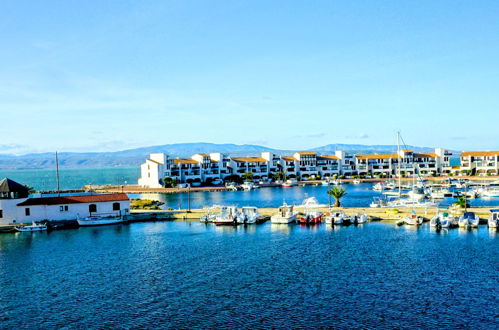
[[357, 196], [73, 178], [181, 274]]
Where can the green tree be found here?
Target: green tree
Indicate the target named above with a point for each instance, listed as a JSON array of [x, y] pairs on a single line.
[[247, 176], [337, 193], [169, 182], [279, 175], [462, 202], [234, 178]]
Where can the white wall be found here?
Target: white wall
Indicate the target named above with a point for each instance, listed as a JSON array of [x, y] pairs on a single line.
[[9, 209]]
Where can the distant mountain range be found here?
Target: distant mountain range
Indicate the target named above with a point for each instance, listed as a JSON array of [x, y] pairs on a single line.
[[134, 157]]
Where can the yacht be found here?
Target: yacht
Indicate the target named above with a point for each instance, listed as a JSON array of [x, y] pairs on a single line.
[[248, 186], [377, 202], [468, 220], [493, 221], [285, 214], [380, 186], [489, 192], [410, 203], [33, 227], [248, 215], [97, 220]]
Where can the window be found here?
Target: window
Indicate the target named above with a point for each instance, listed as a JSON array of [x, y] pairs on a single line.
[[66, 208], [116, 206], [63, 208], [26, 211], [92, 208], [1, 213]]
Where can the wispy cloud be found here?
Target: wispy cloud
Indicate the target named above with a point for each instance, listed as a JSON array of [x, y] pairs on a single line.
[[360, 136]]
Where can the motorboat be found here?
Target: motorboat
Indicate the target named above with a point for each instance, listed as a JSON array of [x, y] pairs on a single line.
[[248, 186], [248, 215], [439, 192], [413, 219], [468, 220], [489, 192], [493, 221], [227, 216], [417, 194], [356, 181], [377, 202], [210, 214], [358, 219], [410, 203], [380, 186], [32, 228], [337, 218], [99, 220], [285, 214], [443, 220], [311, 217]]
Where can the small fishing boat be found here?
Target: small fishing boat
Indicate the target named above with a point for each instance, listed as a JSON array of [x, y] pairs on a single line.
[[413, 219], [337, 218], [468, 220], [97, 220], [493, 221], [33, 227], [248, 215], [358, 219], [311, 217], [227, 216], [286, 185], [443, 220], [285, 214]]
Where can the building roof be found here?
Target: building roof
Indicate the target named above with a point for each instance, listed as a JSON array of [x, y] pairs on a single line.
[[8, 186], [324, 157], [407, 150], [426, 154], [479, 153], [99, 198], [249, 159], [154, 161], [376, 156], [185, 161], [288, 158], [301, 153]]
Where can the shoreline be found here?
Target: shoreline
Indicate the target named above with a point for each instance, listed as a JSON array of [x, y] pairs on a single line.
[[135, 189]]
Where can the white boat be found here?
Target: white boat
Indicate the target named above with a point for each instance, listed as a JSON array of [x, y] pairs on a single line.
[[285, 214], [379, 186], [410, 203], [227, 216], [489, 192], [358, 219], [443, 220], [210, 214], [417, 194], [311, 203], [33, 227], [248, 215], [493, 221], [413, 219], [468, 220], [356, 181], [248, 186], [337, 218], [377, 202], [99, 220]]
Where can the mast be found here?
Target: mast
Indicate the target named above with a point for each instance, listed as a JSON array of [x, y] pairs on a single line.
[[57, 174], [399, 160]]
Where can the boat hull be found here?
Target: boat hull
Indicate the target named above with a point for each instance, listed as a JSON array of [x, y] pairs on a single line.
[[99, 222]]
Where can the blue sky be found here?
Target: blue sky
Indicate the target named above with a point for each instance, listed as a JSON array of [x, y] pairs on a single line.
[[111, 75]]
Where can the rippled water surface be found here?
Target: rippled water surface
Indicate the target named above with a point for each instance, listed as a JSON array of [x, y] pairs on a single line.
[[187, 274]]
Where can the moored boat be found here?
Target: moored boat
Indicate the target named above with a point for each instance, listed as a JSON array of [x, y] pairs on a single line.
[[285, 214], [443, 220], [413, 219], [32, 228], [358, 219], [311, 217], [468, 220], [493, 221], [248, 215], [99, 220], [227, 216]]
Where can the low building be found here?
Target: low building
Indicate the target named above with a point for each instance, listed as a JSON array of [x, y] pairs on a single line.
[[17, 207], [480, 162]]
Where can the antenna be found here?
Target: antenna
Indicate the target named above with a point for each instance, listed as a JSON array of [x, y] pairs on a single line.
[[57, 174]]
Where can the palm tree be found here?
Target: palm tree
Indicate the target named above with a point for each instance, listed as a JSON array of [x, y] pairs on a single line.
[[248, 176], [337, 192], [462, 202]]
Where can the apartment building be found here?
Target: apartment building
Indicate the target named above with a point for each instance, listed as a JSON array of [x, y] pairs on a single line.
[[480, 162]]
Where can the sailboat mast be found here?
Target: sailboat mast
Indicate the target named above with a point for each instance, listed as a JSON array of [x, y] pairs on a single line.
[[57, 174], [399, 160]]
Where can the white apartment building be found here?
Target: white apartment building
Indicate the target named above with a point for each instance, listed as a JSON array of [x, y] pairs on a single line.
[[480, 162], [302, 166]]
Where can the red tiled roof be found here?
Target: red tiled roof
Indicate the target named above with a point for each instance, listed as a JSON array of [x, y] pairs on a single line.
[[288, 158], [185, 161], [376, 156], [324, 157], [425, 155], [249, 159], [479, 153], [99, 198]]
